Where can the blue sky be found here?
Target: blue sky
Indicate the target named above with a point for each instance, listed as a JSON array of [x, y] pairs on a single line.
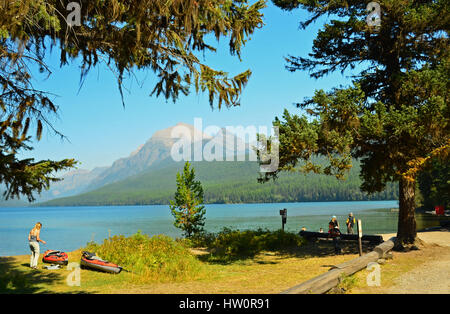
[[100, 130]]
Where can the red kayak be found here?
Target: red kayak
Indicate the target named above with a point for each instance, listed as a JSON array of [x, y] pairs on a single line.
[[90, 260], [55, 257]]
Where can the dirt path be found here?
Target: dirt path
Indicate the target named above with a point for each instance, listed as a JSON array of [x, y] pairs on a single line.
[[434, 275], [431, 277], [441, 237]]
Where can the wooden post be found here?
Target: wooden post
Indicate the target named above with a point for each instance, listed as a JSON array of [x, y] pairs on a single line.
[[331, 278], [283, 213], [360, 236]]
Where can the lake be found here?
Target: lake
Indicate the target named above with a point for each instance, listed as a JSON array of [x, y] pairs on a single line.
[[69, 228]]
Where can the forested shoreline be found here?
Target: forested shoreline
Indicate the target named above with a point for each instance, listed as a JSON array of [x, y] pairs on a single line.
[[228, 183]]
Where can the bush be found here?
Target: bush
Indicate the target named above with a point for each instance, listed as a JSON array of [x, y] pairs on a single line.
[[247, 243], [157, 258]]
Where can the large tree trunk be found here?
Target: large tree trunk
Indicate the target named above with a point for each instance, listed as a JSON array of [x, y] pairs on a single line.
[[406, 232]]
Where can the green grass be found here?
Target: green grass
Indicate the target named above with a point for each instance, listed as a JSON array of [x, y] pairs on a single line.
[[229, 244], [347, 283], [178, 270], [274, 269], [157, 258]]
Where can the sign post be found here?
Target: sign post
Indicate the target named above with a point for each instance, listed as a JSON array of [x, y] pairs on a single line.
[[360, 236], [283, 214]]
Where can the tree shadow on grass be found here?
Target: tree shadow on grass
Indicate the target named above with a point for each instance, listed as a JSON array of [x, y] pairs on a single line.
[[326, 248], [311, 249], [16, 279]]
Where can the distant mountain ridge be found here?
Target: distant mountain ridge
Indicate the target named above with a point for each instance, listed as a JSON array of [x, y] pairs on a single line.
[[147, 176], [73, 182], [156, 150], [159, 149], [225, 182]]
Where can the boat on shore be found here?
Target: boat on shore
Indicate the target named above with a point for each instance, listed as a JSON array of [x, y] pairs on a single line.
[[91, 261], [55, 257]]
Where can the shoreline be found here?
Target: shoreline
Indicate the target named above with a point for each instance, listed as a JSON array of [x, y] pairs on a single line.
[[398, 274], [436, 235], [41, 205], [386, 236]]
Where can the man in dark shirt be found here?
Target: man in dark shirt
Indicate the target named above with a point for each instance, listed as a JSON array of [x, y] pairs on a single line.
[[335, 233]]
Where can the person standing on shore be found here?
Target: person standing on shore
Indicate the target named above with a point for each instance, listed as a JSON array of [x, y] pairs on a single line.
[[335, 233], [350, 223], [34, 239], [333, 224]]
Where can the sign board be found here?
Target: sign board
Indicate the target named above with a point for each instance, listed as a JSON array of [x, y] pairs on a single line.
[[283, 213]]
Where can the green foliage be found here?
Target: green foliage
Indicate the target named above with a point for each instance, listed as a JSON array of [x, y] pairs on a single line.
[[25, 177], [229, 182], [396, 111], [157, 258], [231, 244], [187, 210], [23, 108], [162, 36], [158, 35], [434, 184], [346, 283]]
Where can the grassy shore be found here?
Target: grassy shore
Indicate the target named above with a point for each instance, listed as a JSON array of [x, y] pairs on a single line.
[[266, 271]]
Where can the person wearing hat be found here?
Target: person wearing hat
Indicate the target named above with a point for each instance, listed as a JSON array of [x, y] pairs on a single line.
[[350, 223], [334, 223], [335, 233]]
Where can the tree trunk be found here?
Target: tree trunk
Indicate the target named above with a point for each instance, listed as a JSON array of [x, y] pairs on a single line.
[[406, 232]]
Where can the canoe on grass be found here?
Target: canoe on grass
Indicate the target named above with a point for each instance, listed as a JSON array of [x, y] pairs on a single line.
[[91, 261], [55, 257]]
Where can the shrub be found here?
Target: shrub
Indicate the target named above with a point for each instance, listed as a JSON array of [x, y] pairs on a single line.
[[247, 243], [157, 258]]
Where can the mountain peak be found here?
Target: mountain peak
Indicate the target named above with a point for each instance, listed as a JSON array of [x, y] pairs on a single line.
[[184, 128]]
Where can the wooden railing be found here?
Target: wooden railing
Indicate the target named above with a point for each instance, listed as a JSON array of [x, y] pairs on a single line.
[[331, 279]]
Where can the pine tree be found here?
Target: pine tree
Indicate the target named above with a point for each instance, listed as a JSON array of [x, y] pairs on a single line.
[[166, 37], [187, 210], [394, 116]]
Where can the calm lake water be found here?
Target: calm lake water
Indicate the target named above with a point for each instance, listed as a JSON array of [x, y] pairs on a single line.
[[69, 228]]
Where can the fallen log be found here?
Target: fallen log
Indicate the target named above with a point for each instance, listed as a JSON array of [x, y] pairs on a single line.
[[372, 239], [331, 279], [317, 285]]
